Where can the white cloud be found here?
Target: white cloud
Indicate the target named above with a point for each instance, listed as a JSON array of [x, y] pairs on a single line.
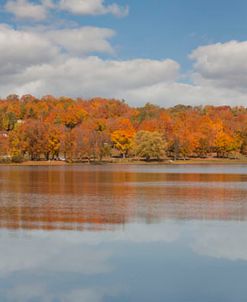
[[93, 76], [42, 60], [26, 9], [173, 93], [92, 7], [222, 65], [48, 4], [138, 81], [19, 49], [23, 9], [80, 41]]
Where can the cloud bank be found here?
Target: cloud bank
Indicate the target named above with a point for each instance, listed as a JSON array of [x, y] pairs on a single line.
[[82, 61], [22, 9], [25, 9], [92, 7]]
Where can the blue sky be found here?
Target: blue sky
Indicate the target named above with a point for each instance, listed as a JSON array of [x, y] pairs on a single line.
[[157, 29], [187, 46]]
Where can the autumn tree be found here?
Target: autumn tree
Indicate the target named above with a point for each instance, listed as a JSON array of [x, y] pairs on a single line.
[[8, 121], [224, 142], [122, 141], [73, 115], [30, 138], [149, 145], [184, 137], [4, 144], [80, 128], [17, 142], [92, 140], [69, 145], [55, 139], [36, 138]]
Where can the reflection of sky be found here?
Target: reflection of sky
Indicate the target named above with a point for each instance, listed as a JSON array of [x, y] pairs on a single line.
[[163, 168], [172, 261], [197, 252]]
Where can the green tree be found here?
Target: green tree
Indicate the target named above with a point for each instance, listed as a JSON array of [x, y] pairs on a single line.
[[149, 145]]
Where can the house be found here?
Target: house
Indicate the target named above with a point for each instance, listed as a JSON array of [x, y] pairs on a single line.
[[4, 134]]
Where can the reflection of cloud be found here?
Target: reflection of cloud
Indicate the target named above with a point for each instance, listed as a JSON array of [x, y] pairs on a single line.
[[72, 252], [90, 295], [41, 293], [42, 262], [135, 233], [69, 266], [81, 260], [227, 240], [80, 249], [24, 292], [35, 264], [49, 254], [47, 251], [83, 295]]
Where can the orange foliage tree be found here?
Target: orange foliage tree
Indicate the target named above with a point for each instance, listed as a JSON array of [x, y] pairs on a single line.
[[50, 128]]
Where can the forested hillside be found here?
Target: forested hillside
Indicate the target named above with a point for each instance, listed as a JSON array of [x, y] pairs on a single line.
[[77, 129]]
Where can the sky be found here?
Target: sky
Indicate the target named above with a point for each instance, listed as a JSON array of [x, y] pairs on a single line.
[[166, 52]]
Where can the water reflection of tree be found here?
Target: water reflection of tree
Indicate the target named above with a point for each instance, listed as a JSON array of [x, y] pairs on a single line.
[[75, 198]]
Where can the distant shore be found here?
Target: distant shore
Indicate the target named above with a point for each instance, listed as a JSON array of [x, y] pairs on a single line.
[[207, 161]]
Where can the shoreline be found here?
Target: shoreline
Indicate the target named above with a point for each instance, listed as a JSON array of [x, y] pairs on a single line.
[[209, 161]]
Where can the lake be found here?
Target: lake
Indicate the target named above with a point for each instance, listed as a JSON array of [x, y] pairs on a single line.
[[148, 233]]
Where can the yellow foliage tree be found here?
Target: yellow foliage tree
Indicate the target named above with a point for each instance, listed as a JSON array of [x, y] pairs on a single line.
[[122, 140]]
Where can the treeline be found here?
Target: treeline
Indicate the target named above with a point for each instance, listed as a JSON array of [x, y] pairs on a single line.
[[76, 130]]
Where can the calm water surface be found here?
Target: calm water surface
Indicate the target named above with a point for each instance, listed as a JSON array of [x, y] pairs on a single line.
[[123, 233]]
